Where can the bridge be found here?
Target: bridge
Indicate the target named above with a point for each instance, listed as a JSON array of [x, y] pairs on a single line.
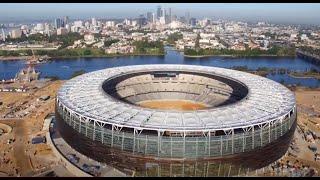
[[308, 56]]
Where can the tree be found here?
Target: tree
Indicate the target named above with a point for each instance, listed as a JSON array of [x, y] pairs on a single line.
[[174, 37], [197, 44], [87, 52], [109, 42]]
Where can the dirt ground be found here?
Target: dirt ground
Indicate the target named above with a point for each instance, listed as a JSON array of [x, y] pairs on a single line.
[[23, 155], [308, 98], [172, 104], [308, 109]]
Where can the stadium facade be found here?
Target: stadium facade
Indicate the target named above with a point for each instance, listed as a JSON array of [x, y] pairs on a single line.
[[247, 123]]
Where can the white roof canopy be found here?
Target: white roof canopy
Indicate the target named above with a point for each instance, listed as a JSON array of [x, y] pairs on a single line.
[[265, 101]]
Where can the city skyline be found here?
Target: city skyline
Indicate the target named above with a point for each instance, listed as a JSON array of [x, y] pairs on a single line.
[[270, 12]]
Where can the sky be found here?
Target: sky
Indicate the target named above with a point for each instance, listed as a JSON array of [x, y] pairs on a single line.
[[296, 13]]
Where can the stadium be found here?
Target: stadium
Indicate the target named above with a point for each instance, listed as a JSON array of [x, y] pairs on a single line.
[[177, 120]]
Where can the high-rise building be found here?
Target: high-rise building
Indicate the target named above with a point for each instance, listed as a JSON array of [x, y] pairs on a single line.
[[57, 23], [62, 31], [158, 12], [162, 20], [66, 20], [94, 21], [16, 33], [39, 27], [154, 18], [163, 13], [170, 15], [110, 23], [141, 20], [78, 23], [3, 35], [149, 16], [68, 27], [193, 22], [187, 17], [127, 22], [47, 28]]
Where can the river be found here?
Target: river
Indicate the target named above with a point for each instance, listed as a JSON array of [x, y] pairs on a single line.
[[64, 68]]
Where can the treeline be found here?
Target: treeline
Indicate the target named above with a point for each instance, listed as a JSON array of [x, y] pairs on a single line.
[[7, 53], [108, 43], [56, 53], [148, 47], [174, 37], [65, 40], [310, 50], [274, 51], [71, 52]]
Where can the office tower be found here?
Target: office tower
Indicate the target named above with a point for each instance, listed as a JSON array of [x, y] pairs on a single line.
[[149, 16], [62, 31], [39, 27], [66, 20], [3, 35], [68, 27], [57, 23], [163, 13], [158, 12], [78, 23], [94, 21], [16, 33], [141, 20], [170, 15], [47, 28], [154, 18], [193, 21], [188, 17], [162, 20]]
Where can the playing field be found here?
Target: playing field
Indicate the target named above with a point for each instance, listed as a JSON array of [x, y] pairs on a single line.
[[172, 104]]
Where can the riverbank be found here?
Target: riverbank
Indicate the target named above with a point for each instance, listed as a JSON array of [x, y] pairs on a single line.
[[10, 58], [235, 56], [72, 57], [303, 75]]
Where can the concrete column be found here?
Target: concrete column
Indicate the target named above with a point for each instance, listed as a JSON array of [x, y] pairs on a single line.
[[221, 144], [209, 143], [94, 130], [232, 142], [145, 149], [122, 141], [134, 140], [269, 132], [243, 141], [253, 137], [112, 127], [159, 143]]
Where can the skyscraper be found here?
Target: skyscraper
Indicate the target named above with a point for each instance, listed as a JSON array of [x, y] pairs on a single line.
[[94, 21], [141, 20], [187, 17], [57, 23], [193, 21], [66, 20], [3, 35], [149, 16], [163, 13], [170, 15], [159, 11]]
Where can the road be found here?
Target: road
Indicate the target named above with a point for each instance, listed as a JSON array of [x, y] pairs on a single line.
[[22, 160]]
